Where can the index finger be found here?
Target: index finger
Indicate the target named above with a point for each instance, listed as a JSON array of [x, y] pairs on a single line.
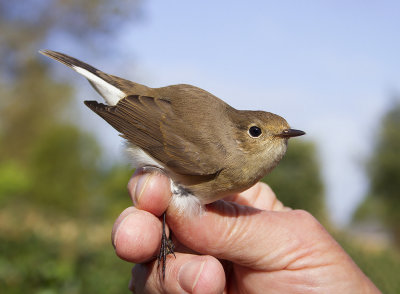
[[150, 191]]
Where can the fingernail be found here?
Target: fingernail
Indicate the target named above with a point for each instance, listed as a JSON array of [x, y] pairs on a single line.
[[189, 274], [114, 233], [141, 186]]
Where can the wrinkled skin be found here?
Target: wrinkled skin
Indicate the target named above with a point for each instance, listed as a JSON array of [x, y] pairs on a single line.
[[248, 243]]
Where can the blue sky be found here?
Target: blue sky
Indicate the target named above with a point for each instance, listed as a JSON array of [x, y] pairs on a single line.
[[328, 67]]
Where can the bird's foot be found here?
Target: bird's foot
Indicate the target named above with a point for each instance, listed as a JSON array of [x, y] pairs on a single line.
[[167, 247]]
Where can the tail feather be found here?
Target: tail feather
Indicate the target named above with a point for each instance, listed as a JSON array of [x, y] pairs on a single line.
[[106, 85], [69, 61]]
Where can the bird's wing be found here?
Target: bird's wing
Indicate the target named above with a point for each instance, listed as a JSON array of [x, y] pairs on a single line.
[[111, 88], [146, 122]]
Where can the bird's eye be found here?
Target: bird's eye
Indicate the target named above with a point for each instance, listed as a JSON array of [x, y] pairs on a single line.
[[255, 131]]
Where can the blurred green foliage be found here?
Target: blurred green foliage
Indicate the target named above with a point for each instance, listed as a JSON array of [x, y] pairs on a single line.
[[57, 201], [58, 255], [383, 201], [381, 265]]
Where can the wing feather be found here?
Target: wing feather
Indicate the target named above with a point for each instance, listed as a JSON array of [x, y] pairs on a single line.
[[146, 122]]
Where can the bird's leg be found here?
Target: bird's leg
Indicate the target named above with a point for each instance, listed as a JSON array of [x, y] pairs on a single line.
[[167, 247]]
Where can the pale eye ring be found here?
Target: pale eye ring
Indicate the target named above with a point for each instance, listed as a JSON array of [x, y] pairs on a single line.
[[255, 131]]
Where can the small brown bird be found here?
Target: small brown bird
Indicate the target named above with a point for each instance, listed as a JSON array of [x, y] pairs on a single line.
[[207, 148]]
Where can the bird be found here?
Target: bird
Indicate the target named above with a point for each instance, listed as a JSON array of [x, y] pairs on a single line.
[[207, 148]]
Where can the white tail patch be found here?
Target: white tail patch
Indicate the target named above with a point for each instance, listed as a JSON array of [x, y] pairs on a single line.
[[110, 93]]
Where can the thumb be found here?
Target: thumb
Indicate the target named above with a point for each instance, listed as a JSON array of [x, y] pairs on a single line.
[[263, 240]]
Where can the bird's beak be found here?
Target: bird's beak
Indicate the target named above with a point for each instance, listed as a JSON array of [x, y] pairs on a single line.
[[288, 133]]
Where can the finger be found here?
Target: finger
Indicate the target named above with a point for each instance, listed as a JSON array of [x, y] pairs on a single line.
[[249, 237], [186, 273], [136, 235], [259, 196], [150, 191]]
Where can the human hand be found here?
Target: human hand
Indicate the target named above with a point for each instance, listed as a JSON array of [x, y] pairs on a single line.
[[249, 243]]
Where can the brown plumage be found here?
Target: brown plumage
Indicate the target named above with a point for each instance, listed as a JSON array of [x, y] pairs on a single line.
[[205, 146], [202, 143]]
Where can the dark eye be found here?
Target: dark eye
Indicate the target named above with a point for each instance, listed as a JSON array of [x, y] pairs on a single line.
[[255, 131]]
